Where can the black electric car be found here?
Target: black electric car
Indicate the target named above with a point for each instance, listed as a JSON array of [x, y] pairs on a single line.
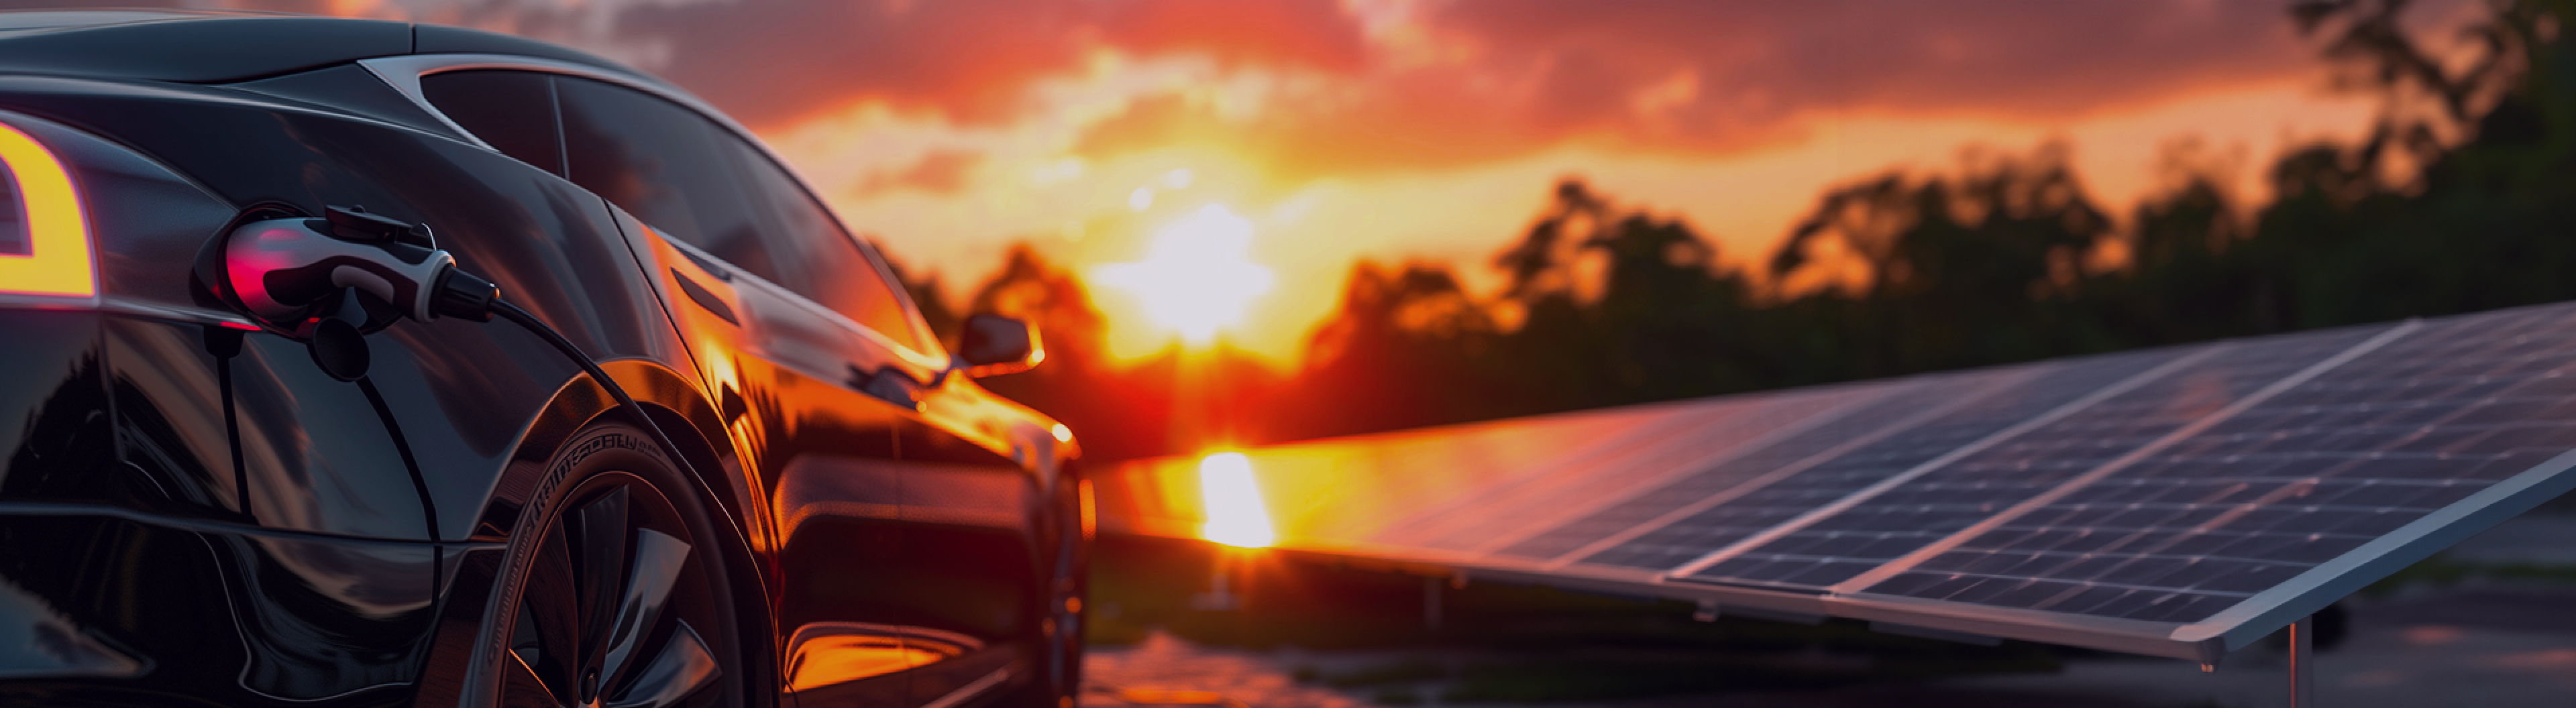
[[349, 362]]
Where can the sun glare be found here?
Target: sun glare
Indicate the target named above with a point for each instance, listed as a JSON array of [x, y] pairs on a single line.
[[1235, 513], [1197, 277]]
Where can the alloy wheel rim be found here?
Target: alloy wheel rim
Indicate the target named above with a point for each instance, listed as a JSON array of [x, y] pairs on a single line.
[[612, 613]]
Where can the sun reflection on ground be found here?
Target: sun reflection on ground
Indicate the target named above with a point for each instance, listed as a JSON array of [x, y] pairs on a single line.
[[1236, 515], [1198, 276]]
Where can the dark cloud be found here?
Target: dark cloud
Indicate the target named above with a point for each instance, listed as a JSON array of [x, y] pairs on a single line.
[[776, 61], [1709, 75], [1755, 59], [773, 62]]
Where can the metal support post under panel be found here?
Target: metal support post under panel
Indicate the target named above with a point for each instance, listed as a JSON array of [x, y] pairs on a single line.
[[2303, 659]]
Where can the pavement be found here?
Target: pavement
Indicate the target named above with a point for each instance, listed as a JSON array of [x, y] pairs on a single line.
[[2487, 644], [1165, 670], [2484, 646], [2488, 647]]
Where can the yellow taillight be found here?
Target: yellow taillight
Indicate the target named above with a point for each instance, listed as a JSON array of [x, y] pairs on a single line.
[[57, 262]]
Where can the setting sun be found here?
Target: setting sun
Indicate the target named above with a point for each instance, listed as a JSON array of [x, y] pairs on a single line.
[[1197, 277], [1236, 515]]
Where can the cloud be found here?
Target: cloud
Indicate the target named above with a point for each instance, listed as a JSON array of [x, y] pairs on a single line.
[[1757, 59], [1370, 86], [1374, 85], [776, 62], [1492, 79], [937, 172]]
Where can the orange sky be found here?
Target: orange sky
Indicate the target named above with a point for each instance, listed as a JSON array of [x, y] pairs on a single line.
[[1395, 129]]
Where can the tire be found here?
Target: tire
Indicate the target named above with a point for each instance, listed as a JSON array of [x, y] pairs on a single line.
[[614, 590], [1059, 637], [1057, 661]]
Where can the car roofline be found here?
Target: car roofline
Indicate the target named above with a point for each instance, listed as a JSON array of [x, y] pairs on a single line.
[[219, 47]]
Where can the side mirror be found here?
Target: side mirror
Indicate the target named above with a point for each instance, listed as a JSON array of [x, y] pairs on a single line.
[[993, 345]]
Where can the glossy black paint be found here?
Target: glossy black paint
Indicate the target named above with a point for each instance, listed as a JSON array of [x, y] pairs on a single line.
[[170, 46], [195, 514]]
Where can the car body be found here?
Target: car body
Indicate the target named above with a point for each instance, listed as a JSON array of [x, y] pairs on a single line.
[[192, 511]]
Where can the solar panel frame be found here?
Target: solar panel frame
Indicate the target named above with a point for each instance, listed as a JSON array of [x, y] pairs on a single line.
[[2322, 585]]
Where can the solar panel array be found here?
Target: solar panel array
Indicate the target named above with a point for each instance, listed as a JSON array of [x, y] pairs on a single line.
[[2179, 501]]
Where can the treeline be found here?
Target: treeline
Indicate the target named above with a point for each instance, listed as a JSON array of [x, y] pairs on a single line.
[[2461, 198]]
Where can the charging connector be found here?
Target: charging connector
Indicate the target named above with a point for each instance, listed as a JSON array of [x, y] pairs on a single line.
[[463, 296], [294, 274]]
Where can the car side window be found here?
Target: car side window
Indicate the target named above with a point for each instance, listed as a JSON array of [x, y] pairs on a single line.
[[834, 272], [663, 164], [512, 111], [707, 187]]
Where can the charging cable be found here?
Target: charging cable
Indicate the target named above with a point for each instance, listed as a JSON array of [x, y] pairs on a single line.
[[571, 351]]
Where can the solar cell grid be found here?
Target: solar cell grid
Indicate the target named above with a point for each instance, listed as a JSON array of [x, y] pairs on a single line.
[[1877, 415], [1658, 465], [1438, 467], [1943, 501], [1411, 466], [1683, 540], [1540, 501], [2285, 486]]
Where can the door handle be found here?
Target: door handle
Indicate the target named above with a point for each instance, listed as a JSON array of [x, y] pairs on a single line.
[[706, 299]]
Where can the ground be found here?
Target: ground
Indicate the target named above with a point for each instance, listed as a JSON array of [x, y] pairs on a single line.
[[2491, 647]]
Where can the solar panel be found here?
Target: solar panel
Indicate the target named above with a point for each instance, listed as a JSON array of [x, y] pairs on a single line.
[[1891, 410], [1334, 492], [1965, 422], [2179, 502], [1500, 516], [1934, 502], [2281, 487]]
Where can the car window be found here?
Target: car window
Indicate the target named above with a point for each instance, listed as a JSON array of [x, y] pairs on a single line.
[[666, 166], [710, 188], [512, 111], [828, 264]]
